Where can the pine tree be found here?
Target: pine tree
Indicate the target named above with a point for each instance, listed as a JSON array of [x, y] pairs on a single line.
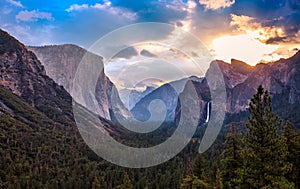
[[218, 182], [232, 160], [293, 157], [193, 182], [199, 167], [126, 182], [96, 184], [265, 150]]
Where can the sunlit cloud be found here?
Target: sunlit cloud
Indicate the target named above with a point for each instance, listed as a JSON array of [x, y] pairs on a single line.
[[242, 47], [216, 4], [252, 42], [187, 23], [167, 64], [285, 51], [266, 34]]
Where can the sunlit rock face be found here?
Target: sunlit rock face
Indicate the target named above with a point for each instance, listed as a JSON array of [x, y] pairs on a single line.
[[61, 63], [280, 78]]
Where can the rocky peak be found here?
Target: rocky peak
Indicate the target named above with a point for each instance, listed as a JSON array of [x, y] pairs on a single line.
[[235, 73], [20, 56], [23, 74]]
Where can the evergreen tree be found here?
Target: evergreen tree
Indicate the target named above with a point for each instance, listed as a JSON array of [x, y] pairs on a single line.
[[96, 183], [293, 157], [265, 164], [200, 167], [193, 182], [126, 182], [218, 182], [232, 160]]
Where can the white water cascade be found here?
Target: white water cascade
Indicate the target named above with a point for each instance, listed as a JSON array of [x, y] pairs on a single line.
[[208, 112]]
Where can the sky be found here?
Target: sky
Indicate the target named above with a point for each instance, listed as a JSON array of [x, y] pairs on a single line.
[[249, 30]]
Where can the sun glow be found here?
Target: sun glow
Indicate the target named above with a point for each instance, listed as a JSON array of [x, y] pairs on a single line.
[[245, 47]]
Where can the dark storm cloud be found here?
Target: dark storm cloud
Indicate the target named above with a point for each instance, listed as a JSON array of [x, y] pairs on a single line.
[[273, 13]]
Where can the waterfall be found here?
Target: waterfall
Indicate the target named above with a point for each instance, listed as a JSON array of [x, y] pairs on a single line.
[[207, 112]]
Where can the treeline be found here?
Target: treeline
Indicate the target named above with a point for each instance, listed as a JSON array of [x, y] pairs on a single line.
[[36, 152], [266, 154]]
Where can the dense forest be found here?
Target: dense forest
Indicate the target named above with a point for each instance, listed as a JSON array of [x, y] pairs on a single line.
[[37, 152], [265, 154]]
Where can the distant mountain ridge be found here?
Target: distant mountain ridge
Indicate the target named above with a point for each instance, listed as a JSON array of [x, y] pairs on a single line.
[[168, 93], [281, 78], [131, 97]]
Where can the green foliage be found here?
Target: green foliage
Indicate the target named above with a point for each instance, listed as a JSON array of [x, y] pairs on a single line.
[[126, 182], [193, 183], [265, 151], [200, 167], [199, 178], [232, 160], [45, 150], [39, 152], [293, 143], [96, 184], [219, 181]]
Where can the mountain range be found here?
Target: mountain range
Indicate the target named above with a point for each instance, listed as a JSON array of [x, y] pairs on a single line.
[[281, 78], [43, 77]]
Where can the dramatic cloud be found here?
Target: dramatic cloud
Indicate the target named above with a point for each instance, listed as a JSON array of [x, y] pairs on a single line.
[[269, 34], [216, 4], [15, 3], [33, 16], [242, 47], [255, 40], [262, 23], [186, 23]]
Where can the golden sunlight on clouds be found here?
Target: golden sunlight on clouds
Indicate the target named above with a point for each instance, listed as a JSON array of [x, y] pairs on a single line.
[[250, 42], [246, 24], [216, 4], [242, 47]]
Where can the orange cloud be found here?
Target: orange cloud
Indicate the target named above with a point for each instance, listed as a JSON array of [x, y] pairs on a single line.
[[216, 4]]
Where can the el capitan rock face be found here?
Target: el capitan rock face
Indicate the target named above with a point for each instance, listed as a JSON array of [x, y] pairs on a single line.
[[61, 63]]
